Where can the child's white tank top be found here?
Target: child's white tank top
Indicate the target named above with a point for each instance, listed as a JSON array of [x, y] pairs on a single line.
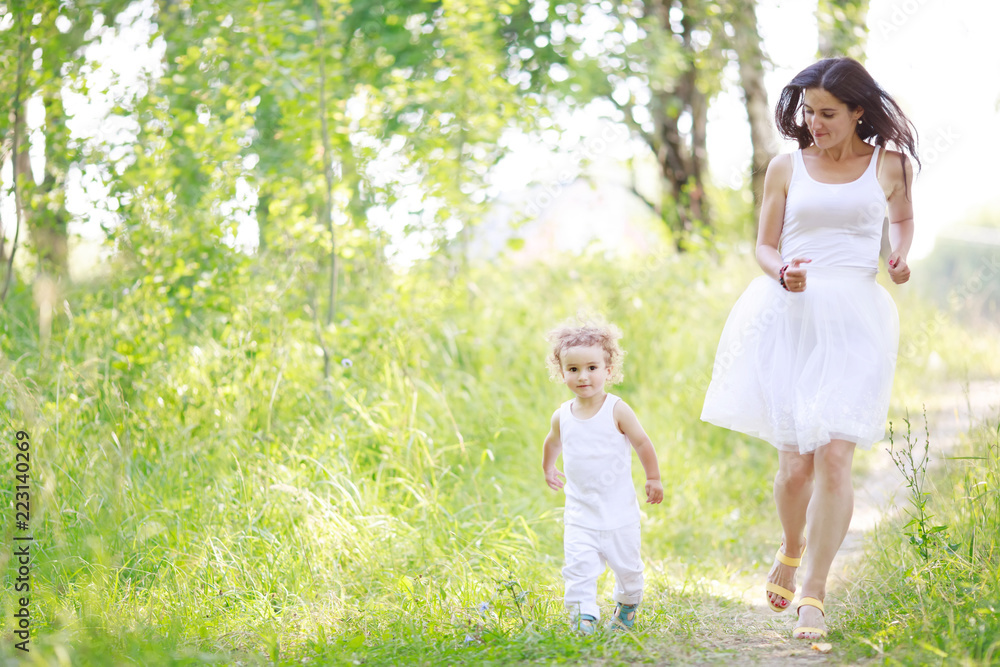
[[597, 460]]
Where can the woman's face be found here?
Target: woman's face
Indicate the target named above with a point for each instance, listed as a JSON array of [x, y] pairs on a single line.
[[828, 119]]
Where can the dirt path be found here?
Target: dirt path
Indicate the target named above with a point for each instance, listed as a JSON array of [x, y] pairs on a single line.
[[763, 637]]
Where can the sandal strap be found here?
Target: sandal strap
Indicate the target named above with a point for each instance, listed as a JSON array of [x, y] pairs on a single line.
[[788, 560], [811, 602], [780, 590], [785, 560]]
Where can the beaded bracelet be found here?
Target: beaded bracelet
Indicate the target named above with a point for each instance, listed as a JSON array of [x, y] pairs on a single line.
[[781, 277]]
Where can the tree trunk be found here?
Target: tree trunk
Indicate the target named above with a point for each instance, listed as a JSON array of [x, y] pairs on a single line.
[[680, 183], [263, 222], [50, 222], [331, 304], [751, 63], [4, 150], [17, 162], [682, 160], [843, 28], [699, 153]]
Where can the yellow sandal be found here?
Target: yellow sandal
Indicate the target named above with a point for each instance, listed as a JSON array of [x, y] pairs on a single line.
[[802, 629], [771, 587]]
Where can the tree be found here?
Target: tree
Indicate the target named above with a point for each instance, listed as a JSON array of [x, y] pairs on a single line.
[[325, 111], [660, 62], [52, 36], [751, 59], [842, 28], [12, 135]]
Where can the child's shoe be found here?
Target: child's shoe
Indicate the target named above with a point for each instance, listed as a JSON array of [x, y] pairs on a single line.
[[624, 617], [585, 624]]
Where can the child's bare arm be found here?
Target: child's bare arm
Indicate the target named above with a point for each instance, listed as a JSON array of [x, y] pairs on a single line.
[[550, 452], [629, 424]]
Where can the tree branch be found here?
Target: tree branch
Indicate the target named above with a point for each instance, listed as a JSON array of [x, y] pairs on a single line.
[[630, 121], [652, 207]]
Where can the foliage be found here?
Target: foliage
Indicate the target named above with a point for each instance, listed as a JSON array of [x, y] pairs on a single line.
[[659, 65], [224, 143], [51, 39], [196, 476], [924, 535], [940, 604], [936, 341], [842, 28], [206, 495], [962, 274]]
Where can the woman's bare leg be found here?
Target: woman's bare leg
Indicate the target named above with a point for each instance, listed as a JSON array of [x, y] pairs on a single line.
[[793, 486], [829, 518]]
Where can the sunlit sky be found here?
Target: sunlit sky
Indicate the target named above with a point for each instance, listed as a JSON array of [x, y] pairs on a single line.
[[938, 58]]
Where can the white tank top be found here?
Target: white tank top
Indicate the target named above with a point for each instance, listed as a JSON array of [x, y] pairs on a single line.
[[833, 224], [597, 460]]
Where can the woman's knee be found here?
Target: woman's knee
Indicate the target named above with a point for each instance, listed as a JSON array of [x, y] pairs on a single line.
[[794, 471], [834, 461]]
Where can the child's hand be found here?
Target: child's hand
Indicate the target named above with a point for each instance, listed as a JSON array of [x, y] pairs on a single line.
[[552, 478], [654, 491]]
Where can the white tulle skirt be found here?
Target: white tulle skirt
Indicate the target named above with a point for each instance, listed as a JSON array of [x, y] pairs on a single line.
[[801, 369]]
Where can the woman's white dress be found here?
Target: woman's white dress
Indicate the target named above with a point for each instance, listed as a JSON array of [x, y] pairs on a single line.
[[801, 369]]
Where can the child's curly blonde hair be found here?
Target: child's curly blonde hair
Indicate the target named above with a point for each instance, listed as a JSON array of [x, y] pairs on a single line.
[[585, 334]]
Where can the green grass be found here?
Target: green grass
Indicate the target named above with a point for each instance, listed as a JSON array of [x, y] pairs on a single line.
[[930, 589], [202, 494]]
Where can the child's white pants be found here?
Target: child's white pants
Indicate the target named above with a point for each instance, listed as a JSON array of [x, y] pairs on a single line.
[[587, 552]]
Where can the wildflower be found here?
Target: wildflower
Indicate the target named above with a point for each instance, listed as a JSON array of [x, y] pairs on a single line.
[[346, 363], [483, 607]]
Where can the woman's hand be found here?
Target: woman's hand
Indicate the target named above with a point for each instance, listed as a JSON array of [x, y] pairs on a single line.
[[795, 275], [899, 270]]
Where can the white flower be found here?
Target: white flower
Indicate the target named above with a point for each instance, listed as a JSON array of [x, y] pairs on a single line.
[[346, 363]]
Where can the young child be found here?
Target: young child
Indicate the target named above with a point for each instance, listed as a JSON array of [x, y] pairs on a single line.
[[593, 432]]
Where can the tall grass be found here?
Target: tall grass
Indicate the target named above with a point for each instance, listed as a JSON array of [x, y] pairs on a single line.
[[203, 494], [931, 592], [200, 490]]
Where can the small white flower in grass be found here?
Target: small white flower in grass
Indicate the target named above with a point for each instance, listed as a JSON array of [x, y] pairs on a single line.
[[483, 607], [346, 363]]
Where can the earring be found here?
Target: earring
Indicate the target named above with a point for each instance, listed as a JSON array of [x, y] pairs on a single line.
[[859, 121]]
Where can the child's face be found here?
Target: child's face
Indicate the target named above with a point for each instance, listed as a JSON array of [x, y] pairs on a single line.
[[584, 370]]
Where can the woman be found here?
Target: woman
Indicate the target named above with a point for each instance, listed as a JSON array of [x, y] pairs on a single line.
[[807, 357]]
